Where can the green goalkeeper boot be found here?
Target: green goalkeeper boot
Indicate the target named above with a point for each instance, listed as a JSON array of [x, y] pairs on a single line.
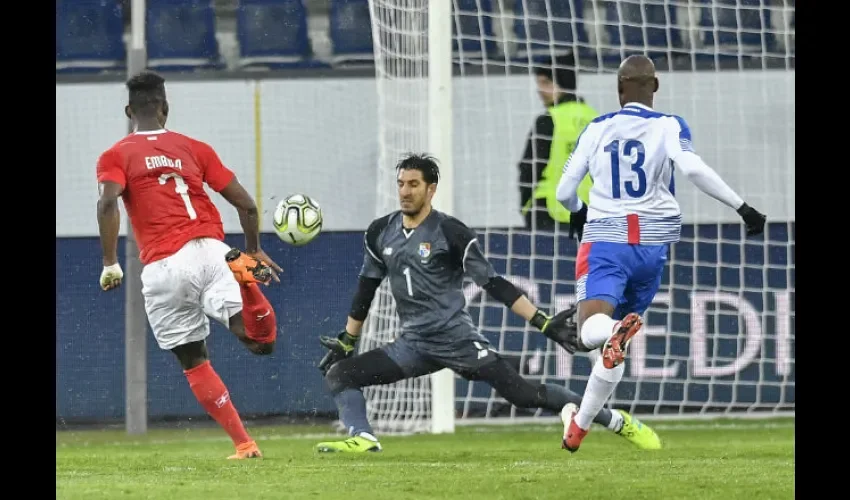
[[638, 433], [356, 444]]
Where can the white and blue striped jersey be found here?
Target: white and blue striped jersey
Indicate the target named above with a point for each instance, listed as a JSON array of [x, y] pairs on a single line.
[[630, 155]]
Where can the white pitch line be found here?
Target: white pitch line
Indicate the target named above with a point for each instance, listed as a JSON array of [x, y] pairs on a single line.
[[661, 427]]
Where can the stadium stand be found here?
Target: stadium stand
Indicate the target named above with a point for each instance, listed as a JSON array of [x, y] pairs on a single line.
[[272, 34], [350, 32], [181, 35], [89, 36], [191, 35]]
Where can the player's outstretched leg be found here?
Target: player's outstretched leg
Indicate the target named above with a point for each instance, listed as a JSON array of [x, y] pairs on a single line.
[[345, 380], [258, 316], [213, 395], [600, 330], [523, 394], [508, 383]]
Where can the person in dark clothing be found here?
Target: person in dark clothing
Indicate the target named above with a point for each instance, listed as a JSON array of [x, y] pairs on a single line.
[[550, 142]]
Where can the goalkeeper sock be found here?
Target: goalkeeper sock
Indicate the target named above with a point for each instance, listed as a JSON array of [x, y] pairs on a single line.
[[352, 411], [599, 388], [258, 314], [596, 330], [617, 421], [215, 398]]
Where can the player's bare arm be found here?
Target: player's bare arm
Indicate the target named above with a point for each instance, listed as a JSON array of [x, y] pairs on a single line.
[[353, 326], [109, 224], [249, 218]]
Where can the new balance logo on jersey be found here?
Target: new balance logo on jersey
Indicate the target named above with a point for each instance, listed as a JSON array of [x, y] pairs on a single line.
[[161, 161], [388, 251]]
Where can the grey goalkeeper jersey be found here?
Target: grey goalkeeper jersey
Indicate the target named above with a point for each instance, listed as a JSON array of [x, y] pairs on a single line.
[[425, 267]]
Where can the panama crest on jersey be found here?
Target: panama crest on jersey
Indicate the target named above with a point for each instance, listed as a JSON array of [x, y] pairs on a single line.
[[424, 250]]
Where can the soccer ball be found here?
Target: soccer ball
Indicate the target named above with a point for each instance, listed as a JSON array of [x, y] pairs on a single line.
[[298, 219]]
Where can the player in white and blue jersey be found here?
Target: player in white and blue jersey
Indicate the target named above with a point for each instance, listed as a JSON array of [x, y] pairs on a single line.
[[631, 219]]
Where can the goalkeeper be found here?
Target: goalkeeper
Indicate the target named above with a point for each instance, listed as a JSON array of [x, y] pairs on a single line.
[[425, 254]]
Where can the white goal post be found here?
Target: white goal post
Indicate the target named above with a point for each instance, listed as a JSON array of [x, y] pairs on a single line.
[[456, 78]]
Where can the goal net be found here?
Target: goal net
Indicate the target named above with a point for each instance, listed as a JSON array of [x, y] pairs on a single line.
[[719, 338]]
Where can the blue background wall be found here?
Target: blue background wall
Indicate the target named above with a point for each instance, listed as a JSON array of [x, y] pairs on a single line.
[[314, 298]]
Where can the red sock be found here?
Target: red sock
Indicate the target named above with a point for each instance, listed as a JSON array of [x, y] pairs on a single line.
[[214, 397], [258, 315]]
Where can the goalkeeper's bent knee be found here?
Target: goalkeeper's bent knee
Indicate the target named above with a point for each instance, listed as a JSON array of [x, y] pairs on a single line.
[[339, 379]]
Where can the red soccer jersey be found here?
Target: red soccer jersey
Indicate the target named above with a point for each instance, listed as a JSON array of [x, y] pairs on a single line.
[[163, 175]]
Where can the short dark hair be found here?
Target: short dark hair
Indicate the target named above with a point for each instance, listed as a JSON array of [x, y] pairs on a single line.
[[147, 92], [561, 71], [424, 163]]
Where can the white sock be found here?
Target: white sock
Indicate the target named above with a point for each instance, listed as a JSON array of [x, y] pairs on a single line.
[[599, 388], [596, 330], [593, 356], [616, 423]]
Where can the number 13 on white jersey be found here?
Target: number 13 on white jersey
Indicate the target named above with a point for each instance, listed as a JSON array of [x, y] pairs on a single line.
[[628, 156]]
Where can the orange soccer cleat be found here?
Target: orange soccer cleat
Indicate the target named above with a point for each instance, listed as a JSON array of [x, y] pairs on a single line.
[[247, 269], [614, 350], [246, 450]]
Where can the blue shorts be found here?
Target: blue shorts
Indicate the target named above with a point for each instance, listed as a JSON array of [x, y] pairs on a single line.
[[626, 276]]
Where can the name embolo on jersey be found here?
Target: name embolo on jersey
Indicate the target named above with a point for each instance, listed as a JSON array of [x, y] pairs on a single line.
[[425, 267]]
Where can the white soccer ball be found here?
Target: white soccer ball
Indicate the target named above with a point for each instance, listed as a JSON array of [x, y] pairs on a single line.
[[298, 219]]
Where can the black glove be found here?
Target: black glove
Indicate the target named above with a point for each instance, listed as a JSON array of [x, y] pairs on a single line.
[[752, 219], [560, 328], [577, 220], [339, 348]]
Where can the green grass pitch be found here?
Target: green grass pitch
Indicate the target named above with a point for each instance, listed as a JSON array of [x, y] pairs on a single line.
[[720, 459]]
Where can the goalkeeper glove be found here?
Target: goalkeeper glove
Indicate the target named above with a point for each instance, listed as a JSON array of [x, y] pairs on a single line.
[[339, 348], [111, 276], [752, 219], [577, 220], [560, 328]]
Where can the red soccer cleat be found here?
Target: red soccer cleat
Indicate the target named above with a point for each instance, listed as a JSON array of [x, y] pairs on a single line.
[[573, 434], [614, 350]]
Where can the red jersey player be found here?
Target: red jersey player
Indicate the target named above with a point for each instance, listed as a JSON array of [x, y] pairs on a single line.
[[188, 274]]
